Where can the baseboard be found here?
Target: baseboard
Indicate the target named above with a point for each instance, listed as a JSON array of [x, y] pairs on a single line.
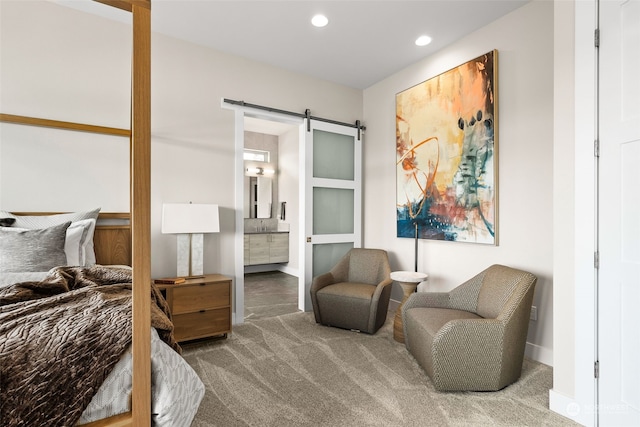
[[263, 268], [569, 408], [539, 354], [290, 271]]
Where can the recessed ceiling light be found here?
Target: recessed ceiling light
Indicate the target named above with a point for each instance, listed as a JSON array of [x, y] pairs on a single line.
[[423, 40], [319, 20]]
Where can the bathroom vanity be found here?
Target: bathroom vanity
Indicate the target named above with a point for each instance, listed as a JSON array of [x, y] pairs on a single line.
[[266, 247]]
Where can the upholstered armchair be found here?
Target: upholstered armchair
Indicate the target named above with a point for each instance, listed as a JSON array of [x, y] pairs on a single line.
[[355, 293], [473, 337]]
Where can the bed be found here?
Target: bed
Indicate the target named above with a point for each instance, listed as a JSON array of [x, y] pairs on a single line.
[[139, 135], [88, 298]]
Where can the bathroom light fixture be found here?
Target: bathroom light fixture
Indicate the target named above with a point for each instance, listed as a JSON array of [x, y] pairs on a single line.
[[319, 21], [259, 171], [423, 40]]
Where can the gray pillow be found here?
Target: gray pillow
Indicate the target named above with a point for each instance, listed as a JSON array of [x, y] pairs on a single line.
[[44, 221], [32, 250]]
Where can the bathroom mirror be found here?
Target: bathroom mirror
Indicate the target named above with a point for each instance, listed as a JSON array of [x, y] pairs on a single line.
[[258, 197]]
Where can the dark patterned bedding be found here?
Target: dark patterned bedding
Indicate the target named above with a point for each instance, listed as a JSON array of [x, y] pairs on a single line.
[[61, 337]]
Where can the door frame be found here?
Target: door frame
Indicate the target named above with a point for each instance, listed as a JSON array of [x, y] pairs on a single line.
[[585, 216], [240, 113]]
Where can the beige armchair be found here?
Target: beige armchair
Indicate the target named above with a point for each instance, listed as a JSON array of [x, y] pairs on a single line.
[[355, 293], [472, 338]]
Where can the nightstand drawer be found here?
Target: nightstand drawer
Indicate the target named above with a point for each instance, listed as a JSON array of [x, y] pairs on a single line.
[[200, 306], [202, 324], [200, 297]]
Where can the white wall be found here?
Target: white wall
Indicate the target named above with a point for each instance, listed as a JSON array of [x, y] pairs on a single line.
[[524, 40], [193, 141], [40, 75], [200, 134], [563, 202], [192, 136], [289, 145]]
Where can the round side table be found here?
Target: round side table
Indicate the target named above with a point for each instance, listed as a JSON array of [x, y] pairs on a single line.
[[408, 281]]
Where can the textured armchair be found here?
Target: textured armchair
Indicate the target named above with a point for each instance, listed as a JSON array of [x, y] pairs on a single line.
[[355, 293], [472, 338]]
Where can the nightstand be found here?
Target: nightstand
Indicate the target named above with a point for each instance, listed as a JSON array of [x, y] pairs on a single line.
[[200, 307]]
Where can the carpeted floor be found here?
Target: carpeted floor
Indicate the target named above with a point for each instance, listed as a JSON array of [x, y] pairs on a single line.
[[289, 371]]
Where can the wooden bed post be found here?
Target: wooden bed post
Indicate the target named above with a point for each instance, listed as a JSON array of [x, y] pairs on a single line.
[[141, 211], [140, 176]]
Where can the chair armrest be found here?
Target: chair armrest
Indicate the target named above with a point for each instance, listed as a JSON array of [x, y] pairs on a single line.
[[472, 346], [380, 287], [318, 283], [379, 305], [422, 299], [321, 281], [427, 299]]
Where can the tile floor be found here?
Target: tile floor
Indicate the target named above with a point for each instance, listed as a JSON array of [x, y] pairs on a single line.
[[269, 294]]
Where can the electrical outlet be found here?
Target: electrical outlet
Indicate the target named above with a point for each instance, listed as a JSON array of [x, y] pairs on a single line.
[[534, 313]]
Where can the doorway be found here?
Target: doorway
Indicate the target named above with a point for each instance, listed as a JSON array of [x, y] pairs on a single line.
[[271, 288], [305, 187]]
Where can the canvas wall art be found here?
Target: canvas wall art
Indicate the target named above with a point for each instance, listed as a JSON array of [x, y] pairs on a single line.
[[446, 155]]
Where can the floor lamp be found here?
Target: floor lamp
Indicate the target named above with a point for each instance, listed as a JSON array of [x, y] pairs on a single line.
[[190, 221]]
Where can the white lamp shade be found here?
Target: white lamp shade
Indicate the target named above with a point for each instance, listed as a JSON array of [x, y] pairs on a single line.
[[186, 218]]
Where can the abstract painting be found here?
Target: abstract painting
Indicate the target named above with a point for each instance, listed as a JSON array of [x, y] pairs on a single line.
[[446, 155]]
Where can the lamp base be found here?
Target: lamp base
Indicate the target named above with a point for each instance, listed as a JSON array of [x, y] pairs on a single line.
[[197, 254], [190, 252]]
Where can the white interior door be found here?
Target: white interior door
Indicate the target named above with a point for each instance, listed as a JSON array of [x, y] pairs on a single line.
[[619, 208], [331, 191]]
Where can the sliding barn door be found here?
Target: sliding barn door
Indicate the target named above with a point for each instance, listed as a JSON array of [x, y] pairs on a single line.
[[331, 191]]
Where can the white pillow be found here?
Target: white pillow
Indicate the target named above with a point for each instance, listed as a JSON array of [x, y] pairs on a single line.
[[73, 247], [89, 252], [79, 237]]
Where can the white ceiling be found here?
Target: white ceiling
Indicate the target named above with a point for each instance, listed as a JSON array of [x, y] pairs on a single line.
[[365, 41]]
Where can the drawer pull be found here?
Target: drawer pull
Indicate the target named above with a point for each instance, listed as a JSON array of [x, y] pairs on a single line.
[[201, 311]]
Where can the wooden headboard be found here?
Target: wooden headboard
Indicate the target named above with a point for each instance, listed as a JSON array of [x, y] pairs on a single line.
[[112, 238], [112, 242]]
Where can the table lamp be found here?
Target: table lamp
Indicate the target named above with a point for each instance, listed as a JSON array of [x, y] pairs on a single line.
[[190, 221]]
